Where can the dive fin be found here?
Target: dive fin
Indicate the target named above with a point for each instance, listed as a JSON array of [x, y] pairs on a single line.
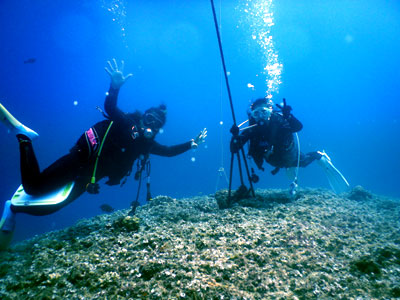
[[22, 199], [336, 180], [7, 226], [14, 125]]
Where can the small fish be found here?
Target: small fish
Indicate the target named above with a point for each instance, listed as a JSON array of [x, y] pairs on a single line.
[[30, 61], [107, 208]]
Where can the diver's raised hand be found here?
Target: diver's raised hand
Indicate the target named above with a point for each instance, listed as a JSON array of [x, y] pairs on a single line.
[[116, 74], [285, 109], [201, 137]]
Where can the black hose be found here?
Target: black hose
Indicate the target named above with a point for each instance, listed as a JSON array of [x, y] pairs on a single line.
[[223, 62]]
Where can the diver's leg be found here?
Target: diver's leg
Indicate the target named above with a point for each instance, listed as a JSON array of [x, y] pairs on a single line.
[[306, 159], [283, 158], [14, 125], [30, 172], [7, 221], [64, 170], [57, 175]]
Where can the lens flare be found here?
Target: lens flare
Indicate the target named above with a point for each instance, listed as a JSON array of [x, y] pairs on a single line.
[[259, 17]]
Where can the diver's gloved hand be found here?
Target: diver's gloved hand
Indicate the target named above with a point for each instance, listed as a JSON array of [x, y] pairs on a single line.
[[201, 137], [93, 188], [117, 75], [285, 109], [234, 130]]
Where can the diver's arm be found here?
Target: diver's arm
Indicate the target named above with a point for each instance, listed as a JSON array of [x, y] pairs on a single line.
[[200, 139], [295, 125], [117, 80], [169, 151], [286, 110], [110, 104], [239, 141]]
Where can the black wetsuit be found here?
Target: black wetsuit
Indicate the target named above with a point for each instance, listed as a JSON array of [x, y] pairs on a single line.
[[273, 141], [118, 154]]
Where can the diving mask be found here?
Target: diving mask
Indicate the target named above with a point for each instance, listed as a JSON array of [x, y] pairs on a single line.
[[152, 120], [262, 113]]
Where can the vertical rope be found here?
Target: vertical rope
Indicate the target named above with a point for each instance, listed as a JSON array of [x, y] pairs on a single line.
[[220, 96], [221, 170]]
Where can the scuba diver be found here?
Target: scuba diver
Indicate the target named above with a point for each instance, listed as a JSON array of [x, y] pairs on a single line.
[[107, 149], [272, 136]]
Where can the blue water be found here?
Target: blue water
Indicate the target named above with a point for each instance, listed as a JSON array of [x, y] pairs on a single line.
[[340, 74]]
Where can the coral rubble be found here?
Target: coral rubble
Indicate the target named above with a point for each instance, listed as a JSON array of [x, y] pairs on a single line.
[[315, 246]]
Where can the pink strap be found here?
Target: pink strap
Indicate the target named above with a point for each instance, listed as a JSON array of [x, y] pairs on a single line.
[[91, 136]]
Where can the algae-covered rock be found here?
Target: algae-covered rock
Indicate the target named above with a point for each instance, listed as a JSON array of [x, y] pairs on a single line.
[[358, 193], [160, 199], [127, 223], [4, 267], [366, 265], [396, 292], [149, 270], [388, 255], [262, 198], [221, 197], [317, 245], [224, 201]]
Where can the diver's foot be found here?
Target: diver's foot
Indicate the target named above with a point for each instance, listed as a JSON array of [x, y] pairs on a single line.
[[7, 222], [14, 125], [23, 139]]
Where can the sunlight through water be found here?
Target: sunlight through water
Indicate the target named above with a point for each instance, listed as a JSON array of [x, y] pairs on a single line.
[[259, 17]]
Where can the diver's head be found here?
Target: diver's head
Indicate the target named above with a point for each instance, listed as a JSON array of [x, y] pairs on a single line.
[[261, 110], [153, 120]]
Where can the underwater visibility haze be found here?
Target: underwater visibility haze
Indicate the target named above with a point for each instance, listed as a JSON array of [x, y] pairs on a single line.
[[335, 62]]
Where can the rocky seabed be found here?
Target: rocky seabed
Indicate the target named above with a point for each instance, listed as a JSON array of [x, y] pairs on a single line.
[[316, 245]]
